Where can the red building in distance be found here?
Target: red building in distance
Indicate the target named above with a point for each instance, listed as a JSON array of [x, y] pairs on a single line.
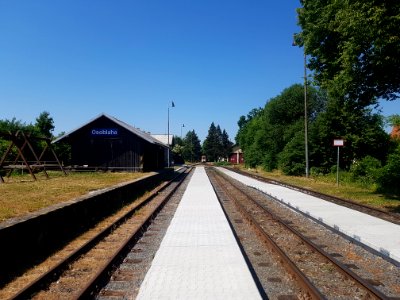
[[236, 157]]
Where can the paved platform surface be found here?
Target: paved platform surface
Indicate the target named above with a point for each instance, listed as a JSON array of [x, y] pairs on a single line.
[[377, 234], [199, 257]]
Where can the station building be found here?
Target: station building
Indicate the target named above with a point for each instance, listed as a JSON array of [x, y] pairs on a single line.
[[109, 144], [236, 157]]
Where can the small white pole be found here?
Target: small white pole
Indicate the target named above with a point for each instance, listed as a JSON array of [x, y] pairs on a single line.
[[337, 168]]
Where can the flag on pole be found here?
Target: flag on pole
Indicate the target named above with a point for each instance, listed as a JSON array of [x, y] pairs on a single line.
[[173, 104]]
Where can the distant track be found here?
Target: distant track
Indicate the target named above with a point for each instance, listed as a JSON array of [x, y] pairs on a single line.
[[367, 209], [301, 256]]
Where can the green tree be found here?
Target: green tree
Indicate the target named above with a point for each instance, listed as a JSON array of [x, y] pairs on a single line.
[[394, 120], [14, 125], [177, 141], [290, 159], [191, 147], [266, 134], [366, 170], [389, 178], [251, 140], [177, 150], [43, 127], [243, 120], [354, 47], [45, 124], [212, 143], [284, 116], [361, 129], [226, 144], [217, 145]]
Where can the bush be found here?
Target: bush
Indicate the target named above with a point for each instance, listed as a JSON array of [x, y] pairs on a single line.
[[333, 169], [366, 170], [294, 169], [319, 171], [269, 162], [253, 157], [389, 179], [291, 159], [222, 163]]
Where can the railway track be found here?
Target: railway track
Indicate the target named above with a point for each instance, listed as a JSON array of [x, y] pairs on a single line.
[[316, 267], [373, 211], [86, 268], [127, 279]]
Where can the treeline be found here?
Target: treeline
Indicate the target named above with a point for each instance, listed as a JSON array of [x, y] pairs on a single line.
[[42, 128], [274, 137], [352, 50], [216, 146], [187, 149]]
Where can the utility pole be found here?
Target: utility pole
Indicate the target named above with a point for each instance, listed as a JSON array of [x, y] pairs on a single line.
[[305, 108], [305, 114]]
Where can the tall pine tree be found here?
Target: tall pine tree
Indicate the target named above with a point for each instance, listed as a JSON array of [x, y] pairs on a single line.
[[216, 146], [191, 147]]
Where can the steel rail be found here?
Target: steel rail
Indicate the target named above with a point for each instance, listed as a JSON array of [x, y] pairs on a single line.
[[368, 209], [102, 275], [46, 278], [341, 267], [304, 283]]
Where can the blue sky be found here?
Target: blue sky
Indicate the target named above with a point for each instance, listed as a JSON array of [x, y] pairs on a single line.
[[216, 60]]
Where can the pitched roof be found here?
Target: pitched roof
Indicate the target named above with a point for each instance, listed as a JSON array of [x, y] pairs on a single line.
[[147, 137], [163, 138], [236, 149]]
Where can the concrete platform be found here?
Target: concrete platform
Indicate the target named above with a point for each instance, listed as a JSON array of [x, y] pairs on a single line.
[[199, 257], [373, 232]]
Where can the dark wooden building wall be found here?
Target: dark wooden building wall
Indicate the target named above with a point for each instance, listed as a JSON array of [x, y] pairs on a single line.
[[122, 151], [153, 157]]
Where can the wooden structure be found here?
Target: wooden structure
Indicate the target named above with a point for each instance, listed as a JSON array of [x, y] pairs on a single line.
[[106, 143], [236, 157], [26, 156]]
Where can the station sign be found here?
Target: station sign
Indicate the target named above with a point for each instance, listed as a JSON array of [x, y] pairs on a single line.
[[104, 132], [338, 143]]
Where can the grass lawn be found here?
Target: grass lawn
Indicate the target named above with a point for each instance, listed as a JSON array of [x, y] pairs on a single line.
[[20, 195], [347, 190]]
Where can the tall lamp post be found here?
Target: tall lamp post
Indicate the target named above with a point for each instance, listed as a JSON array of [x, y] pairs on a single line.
[[168, 144], [305, 110], [183, 125]]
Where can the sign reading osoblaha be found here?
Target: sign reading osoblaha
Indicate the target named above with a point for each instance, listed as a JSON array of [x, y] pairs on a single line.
[[104, 132]]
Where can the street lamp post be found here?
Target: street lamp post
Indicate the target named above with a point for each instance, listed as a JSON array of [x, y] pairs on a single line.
[[168, 144], [183, 125]]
